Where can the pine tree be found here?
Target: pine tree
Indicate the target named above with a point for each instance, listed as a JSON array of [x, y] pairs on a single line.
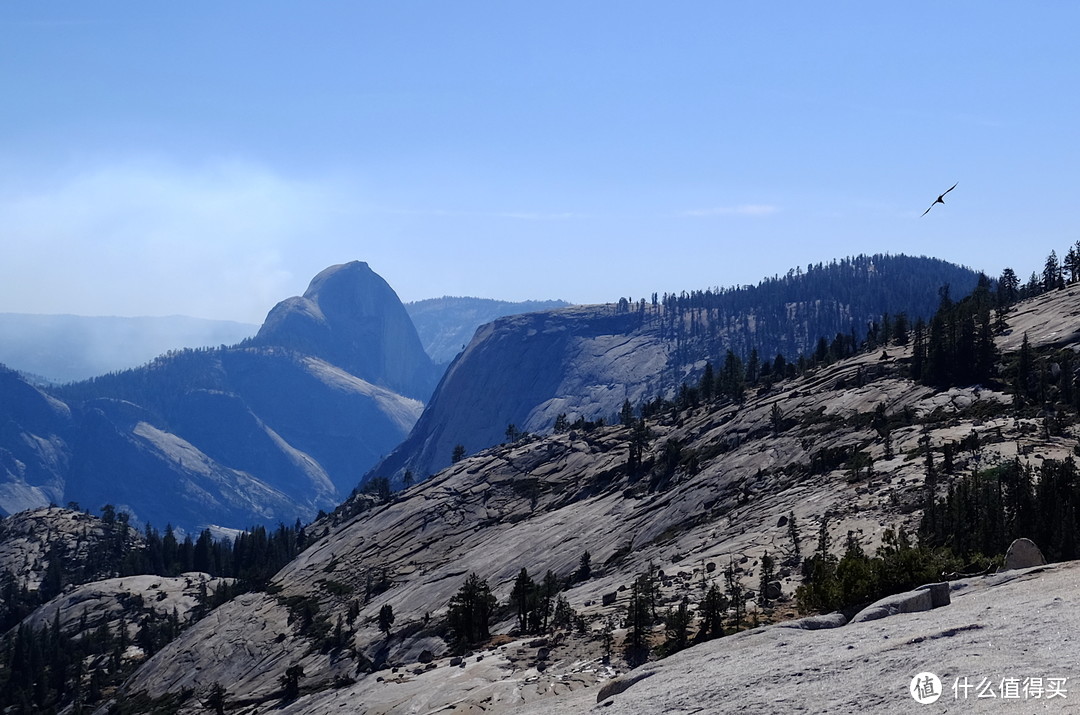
[[216, 699], [386, 618], [736, 595], [290, 682], [1024, 373], [470, 611], [918, 351], [638, 623], [1008, 288], [708, 381], [523, 598], [584, 569], [676, 628], [768, 575], [712, 610], [793, 534], [546, 593], [1051, 274]]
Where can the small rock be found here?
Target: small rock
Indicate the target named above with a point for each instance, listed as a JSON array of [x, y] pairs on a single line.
[[426, 656], [456, 661], [782, 521], [609, 598], [710, 567]]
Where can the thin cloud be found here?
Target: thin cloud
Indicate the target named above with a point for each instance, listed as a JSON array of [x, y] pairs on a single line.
[[743, 210], [156, 239], [516, 215]]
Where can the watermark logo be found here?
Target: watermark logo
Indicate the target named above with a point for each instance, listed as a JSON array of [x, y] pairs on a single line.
[[925, 688]]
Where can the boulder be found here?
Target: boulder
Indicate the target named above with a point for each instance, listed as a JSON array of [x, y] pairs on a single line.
[[426, 656], [923, 598], [1022, 554], [609, 598], [815, 623], [618, 685], [939, 594]]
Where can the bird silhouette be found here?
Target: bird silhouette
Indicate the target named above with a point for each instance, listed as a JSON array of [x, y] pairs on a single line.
[[940, 199]]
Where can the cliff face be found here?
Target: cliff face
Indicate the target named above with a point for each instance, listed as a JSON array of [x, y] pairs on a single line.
[[446, 325], [585, 361], [527, 369], [350, 317]]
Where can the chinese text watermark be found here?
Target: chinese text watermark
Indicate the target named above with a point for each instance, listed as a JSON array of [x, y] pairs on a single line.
[[927, 687]]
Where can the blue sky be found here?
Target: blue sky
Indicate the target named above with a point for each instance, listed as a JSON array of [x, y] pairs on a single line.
[[209, 158]]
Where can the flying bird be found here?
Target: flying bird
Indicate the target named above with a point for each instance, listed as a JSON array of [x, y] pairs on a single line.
[[940, 199]]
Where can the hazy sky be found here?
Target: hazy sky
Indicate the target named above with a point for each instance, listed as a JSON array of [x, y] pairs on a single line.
[[208, 158]]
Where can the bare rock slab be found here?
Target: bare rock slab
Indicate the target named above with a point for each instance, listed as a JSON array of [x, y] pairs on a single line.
[[1022, 554]]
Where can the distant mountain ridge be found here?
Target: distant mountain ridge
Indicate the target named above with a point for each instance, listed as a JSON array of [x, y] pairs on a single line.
[[585, 361], [446, 325], [270, 429], [67, 348]]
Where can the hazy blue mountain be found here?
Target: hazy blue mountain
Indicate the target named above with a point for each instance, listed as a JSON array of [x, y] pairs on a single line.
[[446, 325], [350, 317], [272, 429], [65, 348], [584, 361]]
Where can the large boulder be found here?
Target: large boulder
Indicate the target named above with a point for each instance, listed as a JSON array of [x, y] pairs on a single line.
[[923, 598], [1022, 554], [619, 685]]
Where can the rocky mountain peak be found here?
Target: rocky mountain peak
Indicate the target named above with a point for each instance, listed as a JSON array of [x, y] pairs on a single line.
[[350, 317]]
